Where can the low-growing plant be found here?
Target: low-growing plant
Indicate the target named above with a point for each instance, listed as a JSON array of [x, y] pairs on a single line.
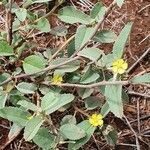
[[34, 85]]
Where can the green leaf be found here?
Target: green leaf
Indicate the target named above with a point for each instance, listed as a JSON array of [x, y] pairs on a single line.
[[106, 61], [91, 53], [28, 105], [5, 49], [120, 43], [21, 14], [110, 135], [59, 31], [119, 2], [44, 139], [4, 77], [145, 78], [43, 25], [98, 11], [86, 126], [68, 119], [105, 109], [83, 35], [52, 102], [33, 64], [89, 76], [49, 100], [125, 96], [70, 67], [105, 36], [71, 48], [26, 88], [32, 127], [14, 130], [92, 102], [3, 99], [113, 95], [71, 15], [72, 132], [15, 114], [84, 93]]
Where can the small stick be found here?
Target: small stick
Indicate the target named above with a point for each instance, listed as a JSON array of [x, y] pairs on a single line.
[[8, 23], [144, 54], [136, 137], [138, 116], [81, 111], [138, 94], [61, 47], [95, 84]]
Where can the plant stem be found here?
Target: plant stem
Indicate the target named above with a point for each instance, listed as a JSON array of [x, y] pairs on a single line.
[[50, 67], [8, 24], [93, 85]]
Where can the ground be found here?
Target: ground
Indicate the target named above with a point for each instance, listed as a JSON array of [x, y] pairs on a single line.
[[137, 110]]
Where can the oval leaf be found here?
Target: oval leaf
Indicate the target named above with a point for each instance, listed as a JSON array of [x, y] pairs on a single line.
[[89, 130], [26, 88], [91, 53], [15, 114], [83, 35], [72, 132], [28, 105], [145, 78], [32, 127], [105, 36], [5, 49], [71, 15], [113, 95], [121, 41], [33, 64], [21, 14], [44, 139]]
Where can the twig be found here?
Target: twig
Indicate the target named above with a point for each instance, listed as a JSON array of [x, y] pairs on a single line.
[[144, 54], [125, 144], [81, 111], [97, 145], [142, 118], [48, 14], [61, 47], [94, 84], [138, 116], [8, 23], [136, 137], [97, 26], [139, 94], [11, 139], [143, 8]]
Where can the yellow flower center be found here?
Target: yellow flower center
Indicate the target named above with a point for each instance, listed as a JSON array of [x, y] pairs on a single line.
[[119, 66], [29, 117], [96, 120], [57, 79]]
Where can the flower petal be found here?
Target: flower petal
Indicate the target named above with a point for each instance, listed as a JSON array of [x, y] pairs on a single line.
[[125, 65], [121, 71]]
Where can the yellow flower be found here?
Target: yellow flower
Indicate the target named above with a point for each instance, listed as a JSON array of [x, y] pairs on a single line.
[[119, 66], [29, 117], [57, 79], [96, 120]]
